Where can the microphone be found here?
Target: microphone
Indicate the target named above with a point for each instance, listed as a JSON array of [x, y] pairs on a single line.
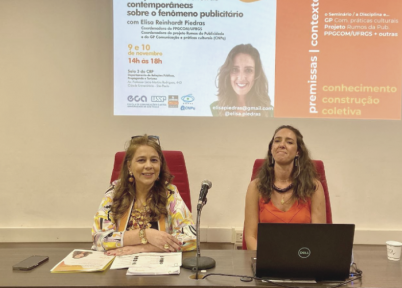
[[205, 185], [198, 262]]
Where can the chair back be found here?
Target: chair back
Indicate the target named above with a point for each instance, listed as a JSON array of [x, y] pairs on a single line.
[[319, 166], [177, 167]]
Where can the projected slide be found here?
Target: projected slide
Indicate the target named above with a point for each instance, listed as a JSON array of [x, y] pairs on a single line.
[[169, 55], [258, 58]]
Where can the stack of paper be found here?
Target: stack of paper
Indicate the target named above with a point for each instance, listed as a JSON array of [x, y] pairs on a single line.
[[149, 263], [83, 261]]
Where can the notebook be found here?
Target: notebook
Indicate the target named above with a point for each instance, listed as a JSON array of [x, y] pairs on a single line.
[[321, 252]]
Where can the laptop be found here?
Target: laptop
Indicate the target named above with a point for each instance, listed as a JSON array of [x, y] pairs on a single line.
[[320, 252]]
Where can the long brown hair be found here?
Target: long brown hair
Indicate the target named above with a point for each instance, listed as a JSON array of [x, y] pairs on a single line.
[[304, 176], [258, 95], [125, 190]]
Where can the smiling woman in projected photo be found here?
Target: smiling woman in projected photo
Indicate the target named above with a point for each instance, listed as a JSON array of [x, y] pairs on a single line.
[[242, 85], [286, 189], [142, 211], [80, 254]]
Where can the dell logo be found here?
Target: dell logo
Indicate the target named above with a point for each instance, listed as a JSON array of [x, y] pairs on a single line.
[[304, 252]]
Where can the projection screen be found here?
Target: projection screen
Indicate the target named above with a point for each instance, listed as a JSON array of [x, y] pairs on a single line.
[[258, 58]]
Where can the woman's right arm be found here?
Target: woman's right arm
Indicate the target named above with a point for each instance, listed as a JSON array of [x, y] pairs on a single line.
[[104, 234], [128, 250], [251, 216], [156, 240]]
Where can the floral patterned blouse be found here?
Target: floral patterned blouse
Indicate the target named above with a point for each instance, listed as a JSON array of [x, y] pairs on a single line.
[[108, 234]]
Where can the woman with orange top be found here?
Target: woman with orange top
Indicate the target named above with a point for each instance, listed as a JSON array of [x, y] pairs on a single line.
[[286, 189]]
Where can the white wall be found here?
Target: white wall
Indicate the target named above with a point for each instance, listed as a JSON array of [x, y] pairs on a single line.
[[59, 136]]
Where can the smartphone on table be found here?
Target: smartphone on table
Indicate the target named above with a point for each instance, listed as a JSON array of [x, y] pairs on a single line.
[[30, 263]]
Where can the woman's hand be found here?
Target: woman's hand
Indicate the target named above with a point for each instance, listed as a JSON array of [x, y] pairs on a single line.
[[132, 249], [123, 251], [163, 240]]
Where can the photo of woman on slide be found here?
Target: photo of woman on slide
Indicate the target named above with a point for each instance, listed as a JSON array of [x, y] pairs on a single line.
[[80, 254], [242, 85]]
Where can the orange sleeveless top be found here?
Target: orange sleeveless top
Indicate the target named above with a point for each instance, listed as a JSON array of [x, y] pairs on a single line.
[[300, 212]]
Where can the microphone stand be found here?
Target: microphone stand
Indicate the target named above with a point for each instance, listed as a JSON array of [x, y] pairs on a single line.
[[198, 262]]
